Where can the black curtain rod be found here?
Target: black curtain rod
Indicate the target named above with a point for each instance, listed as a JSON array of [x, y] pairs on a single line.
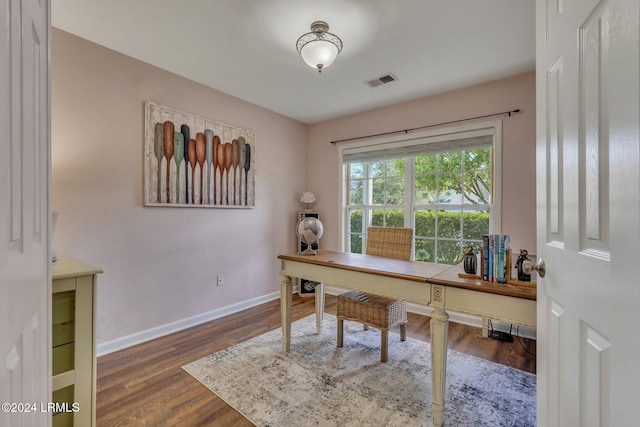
[[428, 126]]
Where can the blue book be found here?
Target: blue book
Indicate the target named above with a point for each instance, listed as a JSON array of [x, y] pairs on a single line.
[[491, 256]]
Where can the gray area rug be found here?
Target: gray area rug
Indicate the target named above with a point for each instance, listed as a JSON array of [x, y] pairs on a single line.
[[317, 384]]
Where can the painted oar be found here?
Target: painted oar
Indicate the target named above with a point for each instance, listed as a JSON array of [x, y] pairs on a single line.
[[247, 166], [235, 158], [168, 153], [192, 162], [201, 156], [158, 148], [186, 135], [208, 134], [178, 155], [216, 143], [228, 159], [241, 155], [220, 158]]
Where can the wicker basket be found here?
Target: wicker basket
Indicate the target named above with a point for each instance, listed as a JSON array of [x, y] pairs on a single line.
[[374, 310]]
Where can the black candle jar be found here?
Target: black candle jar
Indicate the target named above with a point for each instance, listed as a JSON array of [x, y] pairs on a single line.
[[469, 260]]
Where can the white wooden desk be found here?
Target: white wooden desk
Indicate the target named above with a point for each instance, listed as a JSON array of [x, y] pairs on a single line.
[[435, 285]]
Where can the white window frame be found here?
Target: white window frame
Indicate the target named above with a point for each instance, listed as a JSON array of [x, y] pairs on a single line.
[[419, 138]]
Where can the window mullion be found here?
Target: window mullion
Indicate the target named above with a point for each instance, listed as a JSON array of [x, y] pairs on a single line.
[[463, 192], [409, 189]]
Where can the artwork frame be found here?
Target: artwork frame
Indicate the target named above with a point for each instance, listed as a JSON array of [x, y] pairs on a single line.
[[218, 158]]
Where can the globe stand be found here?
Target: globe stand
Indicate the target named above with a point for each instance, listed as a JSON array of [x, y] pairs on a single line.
[[309, 251], [309, 231]]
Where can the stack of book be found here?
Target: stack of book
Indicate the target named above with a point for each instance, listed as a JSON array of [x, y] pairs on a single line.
[[496, 249]]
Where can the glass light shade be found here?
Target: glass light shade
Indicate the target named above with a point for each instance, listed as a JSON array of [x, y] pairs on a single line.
[[319, 53], [319, 48]]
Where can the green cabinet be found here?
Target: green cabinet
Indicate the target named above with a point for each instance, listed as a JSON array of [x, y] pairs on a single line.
[[73, 341]]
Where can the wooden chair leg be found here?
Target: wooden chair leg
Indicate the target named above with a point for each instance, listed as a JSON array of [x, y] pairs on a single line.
[[340, 332], [384, 334], [403, 332]]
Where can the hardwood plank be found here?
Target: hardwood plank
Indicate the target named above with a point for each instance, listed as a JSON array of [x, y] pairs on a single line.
[[145, 385]]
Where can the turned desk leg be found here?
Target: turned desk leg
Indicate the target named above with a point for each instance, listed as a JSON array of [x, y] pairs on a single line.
[[286, 288], [319, 306], [439, 338]]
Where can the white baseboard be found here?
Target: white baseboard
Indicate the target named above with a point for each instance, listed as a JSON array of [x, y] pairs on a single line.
[[169, 328], [179, 325]]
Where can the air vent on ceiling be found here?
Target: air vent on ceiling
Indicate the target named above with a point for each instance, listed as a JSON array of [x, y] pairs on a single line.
[[387, 78]]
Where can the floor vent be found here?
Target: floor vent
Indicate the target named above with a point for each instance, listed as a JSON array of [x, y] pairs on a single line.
[[387, 78]]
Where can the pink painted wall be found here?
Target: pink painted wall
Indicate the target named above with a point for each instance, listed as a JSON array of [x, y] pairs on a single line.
[[518, 148], [160, 264]]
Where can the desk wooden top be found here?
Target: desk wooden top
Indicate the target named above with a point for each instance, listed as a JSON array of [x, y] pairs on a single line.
[[408, 270], [417, 271], [450, 277]]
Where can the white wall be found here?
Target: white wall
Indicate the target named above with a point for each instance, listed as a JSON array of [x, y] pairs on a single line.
[[160, 264]]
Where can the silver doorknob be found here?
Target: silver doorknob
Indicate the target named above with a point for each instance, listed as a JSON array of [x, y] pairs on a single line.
[[528, 267]]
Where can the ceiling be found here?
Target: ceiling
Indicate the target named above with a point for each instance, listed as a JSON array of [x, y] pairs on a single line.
[[246, 48]]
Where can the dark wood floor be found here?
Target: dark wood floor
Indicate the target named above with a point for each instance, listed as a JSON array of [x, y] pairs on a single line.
[[145, 385]]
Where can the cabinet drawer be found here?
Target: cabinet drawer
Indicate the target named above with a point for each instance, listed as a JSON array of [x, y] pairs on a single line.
[[63, 358], [64, 395], [63, 333], [63, 419], [63, 307]]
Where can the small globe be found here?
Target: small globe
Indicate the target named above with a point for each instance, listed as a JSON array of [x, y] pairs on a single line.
[[310, 231]]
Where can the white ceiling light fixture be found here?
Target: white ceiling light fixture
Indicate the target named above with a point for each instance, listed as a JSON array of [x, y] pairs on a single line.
[[319, 48]]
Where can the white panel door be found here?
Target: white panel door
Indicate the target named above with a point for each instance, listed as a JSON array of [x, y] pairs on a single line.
[[588, 198], [24, 212]]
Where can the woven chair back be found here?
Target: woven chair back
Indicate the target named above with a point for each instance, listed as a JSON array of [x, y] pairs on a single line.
[[389, 242]]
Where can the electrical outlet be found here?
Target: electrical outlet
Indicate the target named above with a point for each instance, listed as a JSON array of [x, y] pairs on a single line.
[[220, 279]]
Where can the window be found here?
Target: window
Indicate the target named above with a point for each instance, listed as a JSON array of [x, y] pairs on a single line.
[[441, 184]]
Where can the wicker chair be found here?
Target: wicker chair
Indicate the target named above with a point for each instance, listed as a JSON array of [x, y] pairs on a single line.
[[377, 311]]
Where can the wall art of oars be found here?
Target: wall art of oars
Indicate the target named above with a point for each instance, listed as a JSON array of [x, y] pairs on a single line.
[[218, 165]]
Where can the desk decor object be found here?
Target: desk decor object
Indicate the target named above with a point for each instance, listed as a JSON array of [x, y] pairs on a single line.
[[190, 161], [522, 275], [309, 230], [495, 248], [309, 199], [306, 287], [521, 280], [469, 261]]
